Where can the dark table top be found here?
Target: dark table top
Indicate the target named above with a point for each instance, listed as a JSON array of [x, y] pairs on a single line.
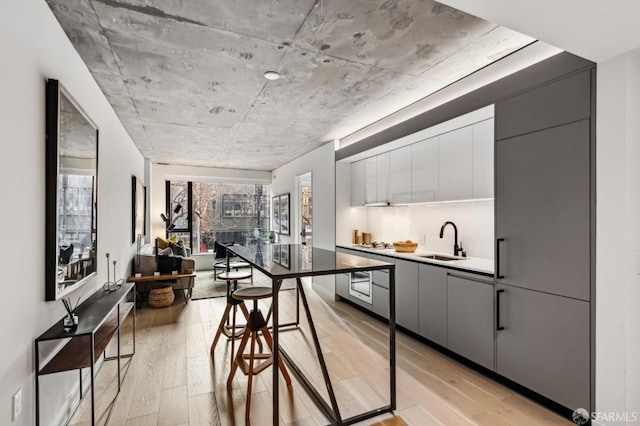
[[282, 261], [91, 314]]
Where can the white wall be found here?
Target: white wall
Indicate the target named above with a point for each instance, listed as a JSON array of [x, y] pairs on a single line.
[[33, 47], [321, 164], [618, 236]]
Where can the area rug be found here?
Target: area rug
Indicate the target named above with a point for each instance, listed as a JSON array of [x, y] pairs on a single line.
[[205, 287]]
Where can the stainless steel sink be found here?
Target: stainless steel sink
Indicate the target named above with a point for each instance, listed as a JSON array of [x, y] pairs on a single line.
[[440, 257]]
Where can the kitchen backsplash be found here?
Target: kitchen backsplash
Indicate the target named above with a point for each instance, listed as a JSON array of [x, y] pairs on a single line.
[[475, 222]]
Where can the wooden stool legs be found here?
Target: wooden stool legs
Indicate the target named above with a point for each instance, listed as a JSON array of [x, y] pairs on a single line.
[[255, 325], [232, 331]]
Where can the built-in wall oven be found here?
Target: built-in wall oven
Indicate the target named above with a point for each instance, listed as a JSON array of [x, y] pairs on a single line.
[[360, 283]]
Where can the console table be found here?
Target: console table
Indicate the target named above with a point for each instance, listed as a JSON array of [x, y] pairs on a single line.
[[100, 317]]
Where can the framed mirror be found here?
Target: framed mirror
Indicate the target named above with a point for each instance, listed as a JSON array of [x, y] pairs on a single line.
[[71, 189]]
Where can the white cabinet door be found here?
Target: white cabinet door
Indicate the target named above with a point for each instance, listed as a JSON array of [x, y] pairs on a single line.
[[400, 175], [382, 178], [424, 171], [483, 142], [357, 183], [455, 165], [370, 180]]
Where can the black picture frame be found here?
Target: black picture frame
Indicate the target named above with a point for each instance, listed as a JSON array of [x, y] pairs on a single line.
[[138, 209], [275, 210], [285, 214]]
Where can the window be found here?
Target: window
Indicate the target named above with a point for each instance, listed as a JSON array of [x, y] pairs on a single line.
[[216, 211]]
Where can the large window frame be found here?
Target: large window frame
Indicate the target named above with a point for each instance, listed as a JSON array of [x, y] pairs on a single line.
[[243, 206]]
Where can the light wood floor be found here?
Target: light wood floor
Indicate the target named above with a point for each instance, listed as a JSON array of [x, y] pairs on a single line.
[[173, 381]]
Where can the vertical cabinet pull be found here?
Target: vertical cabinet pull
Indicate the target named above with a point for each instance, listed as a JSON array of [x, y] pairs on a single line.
[[498, 241], [498, 326]]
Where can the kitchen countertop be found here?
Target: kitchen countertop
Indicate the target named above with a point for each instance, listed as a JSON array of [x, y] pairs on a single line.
[[471, 264]]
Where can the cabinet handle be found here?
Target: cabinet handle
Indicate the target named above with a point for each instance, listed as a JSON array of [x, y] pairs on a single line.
[[498, 326], [498, 241]]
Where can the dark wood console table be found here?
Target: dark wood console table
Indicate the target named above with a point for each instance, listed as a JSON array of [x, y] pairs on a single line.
[[100, 318]]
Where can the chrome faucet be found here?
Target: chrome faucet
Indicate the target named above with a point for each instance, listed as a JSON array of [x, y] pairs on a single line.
[[456, 248]]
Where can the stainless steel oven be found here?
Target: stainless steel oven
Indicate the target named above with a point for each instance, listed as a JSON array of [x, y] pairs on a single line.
[[360, 285]]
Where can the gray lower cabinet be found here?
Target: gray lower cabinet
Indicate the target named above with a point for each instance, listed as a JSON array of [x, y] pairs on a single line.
[[544, 345], [380, 300], [470, 330], [407, 302], [433, 303], [342, 285]]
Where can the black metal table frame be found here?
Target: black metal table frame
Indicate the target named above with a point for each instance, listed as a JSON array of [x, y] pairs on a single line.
[[331, 411], [117, 357]]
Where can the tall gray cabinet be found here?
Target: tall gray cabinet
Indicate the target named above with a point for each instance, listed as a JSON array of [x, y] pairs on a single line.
[[544, 229]]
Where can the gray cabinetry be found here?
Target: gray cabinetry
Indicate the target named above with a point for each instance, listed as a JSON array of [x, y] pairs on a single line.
[[380, 293], [455, 165], [545, 234], [424, 171], [542, 210], [382, 178], [433, 303], [400, 175], [357, 183], [545, 344], [370, 180], [470, 330], [560, 102], [342, 285], [483, 142], [407, 302]]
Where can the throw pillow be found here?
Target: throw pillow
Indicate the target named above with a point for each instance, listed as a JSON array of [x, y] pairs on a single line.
[[163, 243]]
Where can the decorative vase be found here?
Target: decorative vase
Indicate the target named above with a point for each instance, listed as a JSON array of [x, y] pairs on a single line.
[[70, 322]]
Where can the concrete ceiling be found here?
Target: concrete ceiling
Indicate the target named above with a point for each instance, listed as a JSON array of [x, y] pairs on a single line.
[[593, 29], [186, 78]]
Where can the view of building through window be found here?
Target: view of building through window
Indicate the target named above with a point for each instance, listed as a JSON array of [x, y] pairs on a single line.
[[223, 212], [75, 194]]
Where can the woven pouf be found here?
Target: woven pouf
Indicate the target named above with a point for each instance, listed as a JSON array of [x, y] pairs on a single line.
[[161, 296]]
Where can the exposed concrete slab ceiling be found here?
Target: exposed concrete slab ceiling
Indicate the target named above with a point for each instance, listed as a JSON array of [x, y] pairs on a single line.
[[186, 78]]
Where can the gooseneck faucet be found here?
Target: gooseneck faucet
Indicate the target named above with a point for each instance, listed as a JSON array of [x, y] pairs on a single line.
[[456, 248]]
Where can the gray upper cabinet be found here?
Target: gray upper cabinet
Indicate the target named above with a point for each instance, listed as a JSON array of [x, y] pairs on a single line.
[[483, 142], [455, 165], [470, 319], [370, 180], [545, 344], [433, 303], [357, 183], [543, 210], [382, 178], [563, 101], [407, 302], [424, 171], [400, 175]]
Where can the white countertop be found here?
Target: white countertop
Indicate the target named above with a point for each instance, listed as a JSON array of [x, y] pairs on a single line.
[[471, 264]]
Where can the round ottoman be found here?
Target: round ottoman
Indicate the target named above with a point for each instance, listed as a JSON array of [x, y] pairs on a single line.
[[160, 297]]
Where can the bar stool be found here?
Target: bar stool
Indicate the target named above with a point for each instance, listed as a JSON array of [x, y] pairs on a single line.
[[255, 324], [233, 330], [234, 264]]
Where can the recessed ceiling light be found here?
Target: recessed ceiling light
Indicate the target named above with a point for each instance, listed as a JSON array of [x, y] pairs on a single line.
[[272, 75]]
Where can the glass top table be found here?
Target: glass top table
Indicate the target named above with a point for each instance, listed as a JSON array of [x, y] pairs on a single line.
[[283, 261]]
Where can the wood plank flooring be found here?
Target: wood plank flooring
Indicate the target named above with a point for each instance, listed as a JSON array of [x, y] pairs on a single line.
[[173, 381]]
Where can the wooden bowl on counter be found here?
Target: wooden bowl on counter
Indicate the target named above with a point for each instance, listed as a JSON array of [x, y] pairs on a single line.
[[405, 246]]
